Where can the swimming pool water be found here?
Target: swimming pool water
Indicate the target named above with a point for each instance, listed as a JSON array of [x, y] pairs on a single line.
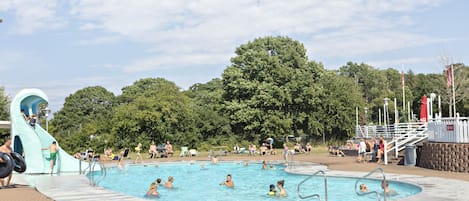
[[251, 183]]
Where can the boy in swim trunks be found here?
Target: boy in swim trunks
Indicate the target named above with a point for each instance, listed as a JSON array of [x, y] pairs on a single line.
[[53, 155]]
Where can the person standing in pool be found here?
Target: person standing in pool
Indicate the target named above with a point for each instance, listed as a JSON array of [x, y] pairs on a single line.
[[169, 183], [229, 182], [6, 148], [282, 192], [152, 191], [53, 155]]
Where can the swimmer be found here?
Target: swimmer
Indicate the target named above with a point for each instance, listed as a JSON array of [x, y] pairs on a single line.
[[363, 188], [169, 183], [272, 191], [264, 165], [152, 191], [282, 192], [158, 182], [387, 190], [271, 167], [229, 182]]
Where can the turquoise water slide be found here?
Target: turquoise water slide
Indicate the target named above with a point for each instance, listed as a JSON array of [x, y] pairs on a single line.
[[29, 141]]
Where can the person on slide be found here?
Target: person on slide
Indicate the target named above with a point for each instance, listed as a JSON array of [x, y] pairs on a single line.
[[6, 148], [53, 155]]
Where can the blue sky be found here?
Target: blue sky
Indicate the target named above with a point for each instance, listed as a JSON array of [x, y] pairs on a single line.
[[61, 46]]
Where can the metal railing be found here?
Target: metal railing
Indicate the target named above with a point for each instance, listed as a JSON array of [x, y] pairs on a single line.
[[360, 193], [412, 136], [314, 195], [103, 174]]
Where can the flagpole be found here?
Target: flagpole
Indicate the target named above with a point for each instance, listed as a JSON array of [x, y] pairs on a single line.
[[403, 92], [452, 85]]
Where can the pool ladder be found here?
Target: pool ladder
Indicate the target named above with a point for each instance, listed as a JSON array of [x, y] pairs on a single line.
[[314, 195], [95, 181], [359, 193]]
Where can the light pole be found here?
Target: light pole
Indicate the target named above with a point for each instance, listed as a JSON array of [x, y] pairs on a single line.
[[46, 114], [366, 119], [432, 97], [386, 114]]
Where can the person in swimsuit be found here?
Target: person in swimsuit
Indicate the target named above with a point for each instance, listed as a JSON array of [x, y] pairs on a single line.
[[228, 182], [272, 191], [152, 191], [282, 192], [6, 148], [169, 183], [137, 150], [53, 155]]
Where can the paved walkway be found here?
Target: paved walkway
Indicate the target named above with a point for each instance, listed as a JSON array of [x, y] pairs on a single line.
[[70, 187]]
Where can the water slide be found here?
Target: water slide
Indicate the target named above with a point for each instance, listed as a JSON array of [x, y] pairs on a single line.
[[29, 141]]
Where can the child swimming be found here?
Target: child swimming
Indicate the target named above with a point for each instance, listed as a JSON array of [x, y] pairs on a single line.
[[272, 190]]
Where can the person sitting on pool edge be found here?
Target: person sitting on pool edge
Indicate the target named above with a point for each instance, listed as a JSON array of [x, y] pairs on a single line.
[[229, 182], [152, 191], [282, 192], [272, 190], [169, 183]]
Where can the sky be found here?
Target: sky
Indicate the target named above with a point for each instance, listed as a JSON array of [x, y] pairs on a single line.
[[61, 46]]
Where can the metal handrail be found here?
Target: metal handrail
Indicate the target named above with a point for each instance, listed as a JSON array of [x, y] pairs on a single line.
[[314, 195], [359, 193], [103, 174]]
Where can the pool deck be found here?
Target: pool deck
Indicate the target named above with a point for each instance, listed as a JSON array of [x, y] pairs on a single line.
[[77, 187]]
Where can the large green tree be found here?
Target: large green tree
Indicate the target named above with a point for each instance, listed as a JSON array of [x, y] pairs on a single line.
[[153, 109], [86, 113], [271, 89]]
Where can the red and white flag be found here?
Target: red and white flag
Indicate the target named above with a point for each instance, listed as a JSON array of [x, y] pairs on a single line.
[[449, 75]]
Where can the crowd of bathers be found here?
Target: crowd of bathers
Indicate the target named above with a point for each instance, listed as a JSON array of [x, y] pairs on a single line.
[[228, 182]]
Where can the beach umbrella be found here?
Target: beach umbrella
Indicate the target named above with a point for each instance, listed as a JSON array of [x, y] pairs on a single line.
[[423, 110]]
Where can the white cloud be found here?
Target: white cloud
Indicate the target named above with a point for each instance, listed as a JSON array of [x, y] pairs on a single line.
[[33, 15], [328, 28]]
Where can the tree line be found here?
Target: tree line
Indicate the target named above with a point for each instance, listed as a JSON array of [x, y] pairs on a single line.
[[270, 89]]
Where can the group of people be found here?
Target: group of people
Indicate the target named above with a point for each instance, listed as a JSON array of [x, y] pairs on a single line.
[[384, 185], [153, 151], [153, 190], [373, 146]]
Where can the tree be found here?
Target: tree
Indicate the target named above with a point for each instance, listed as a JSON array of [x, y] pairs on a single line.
[[153, 109], [85, 113], [338, 102], [4, 112], [271, 89]]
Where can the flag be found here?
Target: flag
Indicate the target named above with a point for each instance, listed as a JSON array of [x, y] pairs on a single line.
[[449, 75], [402, 78]]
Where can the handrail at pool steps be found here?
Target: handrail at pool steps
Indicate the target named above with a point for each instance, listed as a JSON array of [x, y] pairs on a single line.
[[103, 174], [313, 195], [359, 193]]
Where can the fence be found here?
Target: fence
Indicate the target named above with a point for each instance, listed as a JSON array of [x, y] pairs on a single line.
[[454, 130], [388, 131]]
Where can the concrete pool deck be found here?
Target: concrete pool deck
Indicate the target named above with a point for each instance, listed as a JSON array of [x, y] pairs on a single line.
[[76, 187]]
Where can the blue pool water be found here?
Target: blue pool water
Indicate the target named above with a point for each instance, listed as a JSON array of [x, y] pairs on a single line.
[[251, 183]]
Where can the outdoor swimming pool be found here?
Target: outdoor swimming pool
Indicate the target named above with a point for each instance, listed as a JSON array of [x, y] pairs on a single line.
[[251, 183]]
